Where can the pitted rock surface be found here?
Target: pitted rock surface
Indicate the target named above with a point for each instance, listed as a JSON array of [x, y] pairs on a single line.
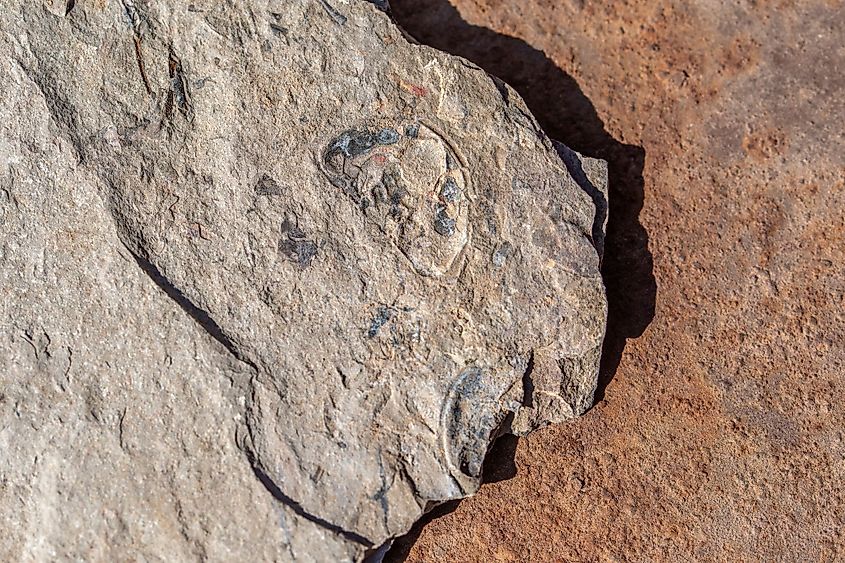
[[274, 276]]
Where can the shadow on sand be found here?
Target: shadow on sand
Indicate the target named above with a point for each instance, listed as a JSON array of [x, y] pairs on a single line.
[[566, 115]]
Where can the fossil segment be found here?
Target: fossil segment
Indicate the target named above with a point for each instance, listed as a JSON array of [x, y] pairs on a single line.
[[374, 237], [410, 186]]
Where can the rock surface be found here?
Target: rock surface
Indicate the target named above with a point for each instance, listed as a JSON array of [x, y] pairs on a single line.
[[273, 279], [720, 436]]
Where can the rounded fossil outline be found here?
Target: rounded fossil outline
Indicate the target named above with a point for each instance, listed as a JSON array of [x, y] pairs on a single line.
[[465, 386], [441, 236]]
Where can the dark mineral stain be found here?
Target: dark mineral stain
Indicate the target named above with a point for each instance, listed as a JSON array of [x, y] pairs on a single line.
[[278, 30], [339, 18], [389, 181], [450, 191], [351, 143], [383, 314], [397, 195], [443, 224], [291, 229], [412, 130], [381, 494], [387, 136], [294, 245], [267, 186], [299, 251], [503, 251], [179, 88]]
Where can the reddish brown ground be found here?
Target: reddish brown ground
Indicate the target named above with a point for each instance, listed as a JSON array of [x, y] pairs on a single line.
[[720, 432]]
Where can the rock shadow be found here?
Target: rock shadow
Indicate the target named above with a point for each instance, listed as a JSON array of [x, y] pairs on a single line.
[[498, 466], [568, 116]]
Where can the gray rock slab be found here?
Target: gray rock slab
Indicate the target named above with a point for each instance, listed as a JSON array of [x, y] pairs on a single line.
[[273, 278]]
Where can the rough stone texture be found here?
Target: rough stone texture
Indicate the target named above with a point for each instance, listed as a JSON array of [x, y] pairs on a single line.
[[720, 436], [273, 279]]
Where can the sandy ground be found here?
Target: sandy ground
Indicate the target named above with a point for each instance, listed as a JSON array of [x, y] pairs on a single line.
[[718, 434]]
